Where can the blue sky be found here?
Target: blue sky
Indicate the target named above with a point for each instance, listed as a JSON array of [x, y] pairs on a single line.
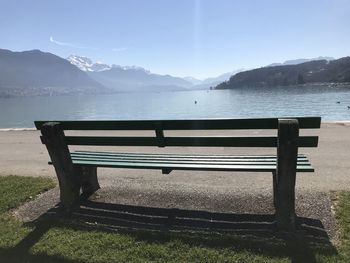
[[200, 38]]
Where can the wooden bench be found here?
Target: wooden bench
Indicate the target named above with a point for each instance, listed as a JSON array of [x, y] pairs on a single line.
[[77, 171]]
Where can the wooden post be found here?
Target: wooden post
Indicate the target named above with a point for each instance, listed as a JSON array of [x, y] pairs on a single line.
[[274, 187], [88, 179], [159, 134], [287, 154], [54, 139]]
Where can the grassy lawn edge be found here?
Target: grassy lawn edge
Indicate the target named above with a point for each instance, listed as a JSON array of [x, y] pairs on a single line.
[[69, 241]]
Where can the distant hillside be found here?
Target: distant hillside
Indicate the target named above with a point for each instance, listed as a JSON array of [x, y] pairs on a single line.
[[212, 82], [209, 83], [192, 80], [138, 79], [337, 71], [299, 61], [32, 73]]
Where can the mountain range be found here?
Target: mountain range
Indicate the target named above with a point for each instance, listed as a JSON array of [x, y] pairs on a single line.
[[134, 78], [33, 73], [128, 79]]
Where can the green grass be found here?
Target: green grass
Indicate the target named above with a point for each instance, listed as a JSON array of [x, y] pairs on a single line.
[[71, 241], [343, 219], [15, 190]]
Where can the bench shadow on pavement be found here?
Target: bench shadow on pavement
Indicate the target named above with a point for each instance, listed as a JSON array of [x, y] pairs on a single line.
[[153, 218], [253, 232]]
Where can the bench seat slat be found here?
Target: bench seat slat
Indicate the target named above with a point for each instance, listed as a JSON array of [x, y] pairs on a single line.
[[180, 166], [183, 159], [250, 164], [180, 155]]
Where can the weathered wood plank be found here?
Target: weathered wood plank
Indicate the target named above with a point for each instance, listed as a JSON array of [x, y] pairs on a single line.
[[159, 135], [222, 161], [88, 179], [180, 166], [287, 152], [274, 187], [54, 139], [194, 124], [261, 141], [131, 157], [181, 155], [106, 159]]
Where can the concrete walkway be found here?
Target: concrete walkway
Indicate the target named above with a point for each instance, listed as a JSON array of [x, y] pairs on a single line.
[[21, 153]]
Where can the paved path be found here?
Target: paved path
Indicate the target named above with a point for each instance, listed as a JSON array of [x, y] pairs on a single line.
[[21, 153]]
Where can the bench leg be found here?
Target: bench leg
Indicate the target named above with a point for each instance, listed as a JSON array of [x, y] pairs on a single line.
[[88, 179], [285, 202], [274, 188], [54, 139], [287, 153]]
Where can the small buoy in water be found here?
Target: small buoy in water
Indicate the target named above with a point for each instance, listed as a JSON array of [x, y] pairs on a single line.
[[195, 102], [338, 102], [348, 107]]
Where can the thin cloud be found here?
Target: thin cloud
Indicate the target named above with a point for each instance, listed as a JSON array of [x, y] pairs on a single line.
[[66, 44]]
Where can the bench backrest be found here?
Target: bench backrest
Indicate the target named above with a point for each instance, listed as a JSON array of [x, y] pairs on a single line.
[[159, 126]]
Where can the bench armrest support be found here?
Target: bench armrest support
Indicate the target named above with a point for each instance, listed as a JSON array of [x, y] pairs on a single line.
[[54, 139], [287, 153]]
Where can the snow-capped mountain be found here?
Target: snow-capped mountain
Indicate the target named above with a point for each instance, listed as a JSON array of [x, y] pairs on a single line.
[[127, 78], [86, 64]]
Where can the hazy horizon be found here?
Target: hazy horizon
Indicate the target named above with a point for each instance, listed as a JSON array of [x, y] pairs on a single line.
[[233, 72]]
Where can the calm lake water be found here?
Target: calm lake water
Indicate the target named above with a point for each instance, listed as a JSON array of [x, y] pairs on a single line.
[[330, 103]]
